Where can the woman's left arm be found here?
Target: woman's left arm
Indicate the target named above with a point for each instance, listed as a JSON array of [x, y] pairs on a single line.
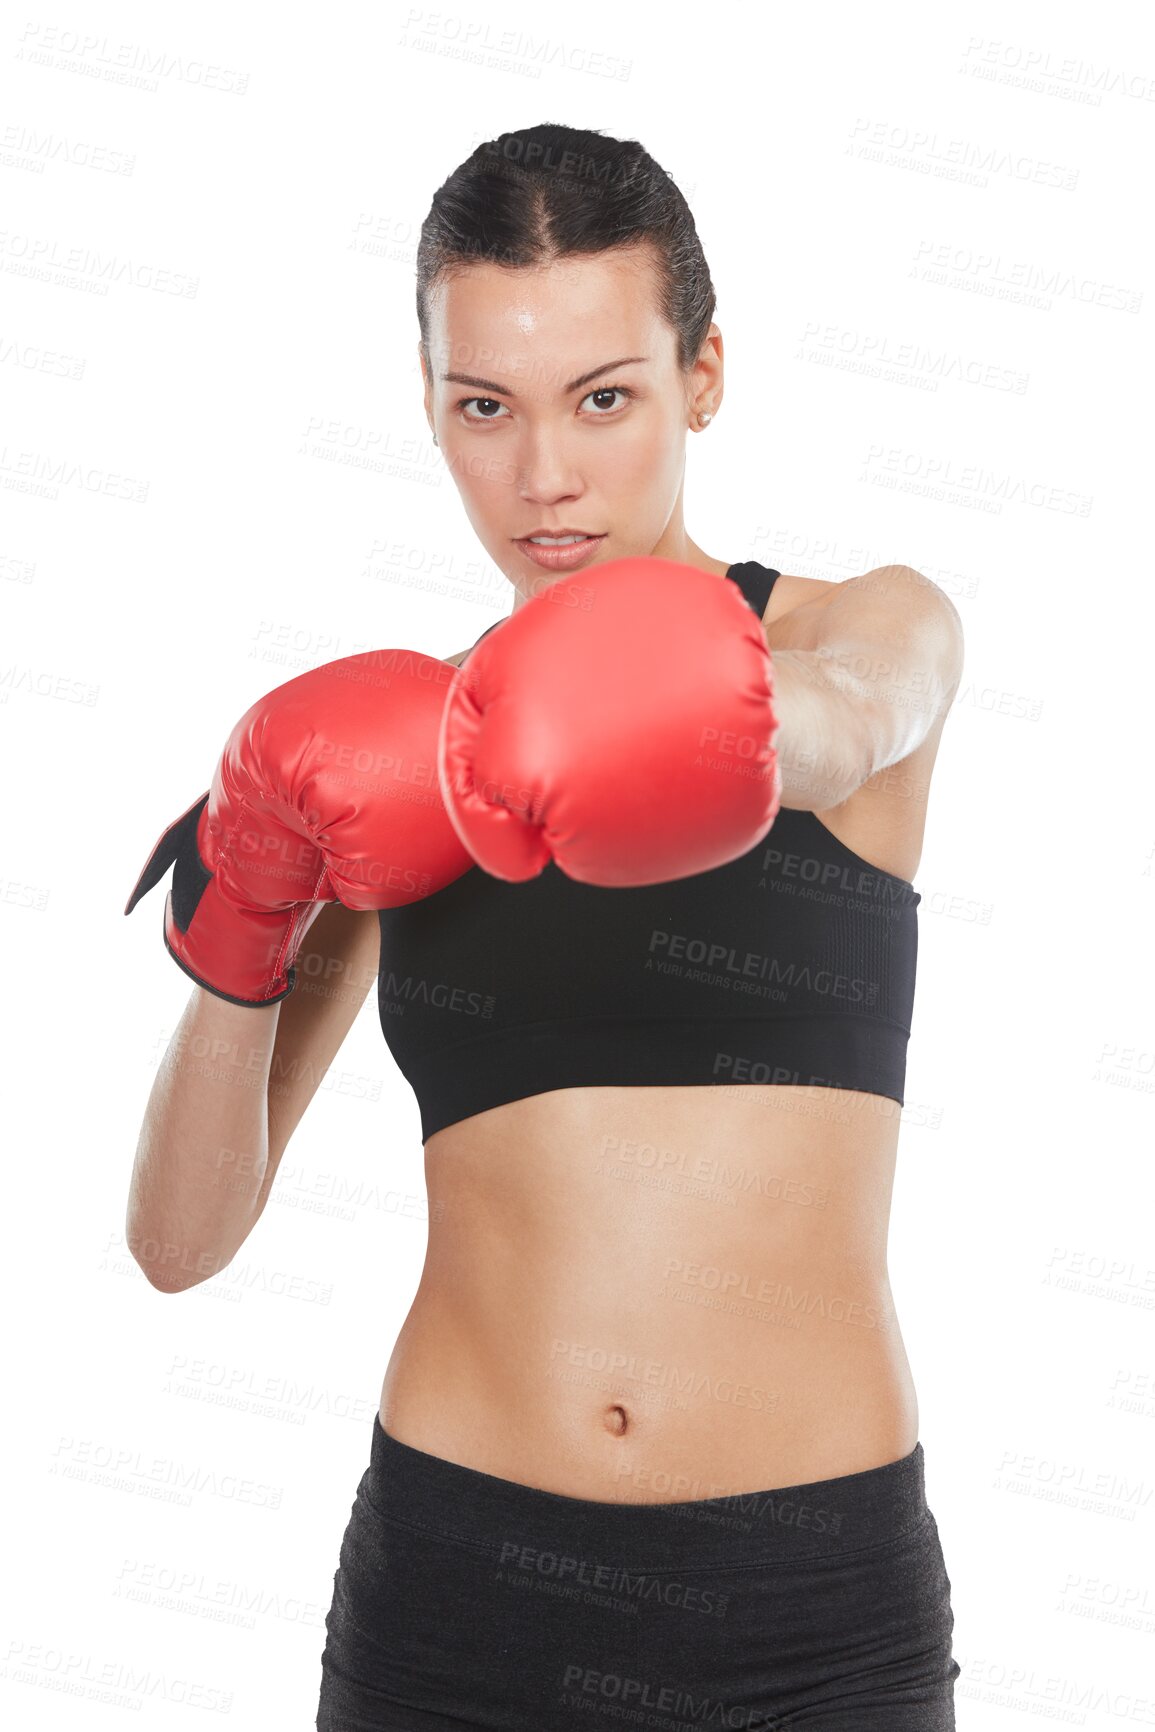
[[861, 675]]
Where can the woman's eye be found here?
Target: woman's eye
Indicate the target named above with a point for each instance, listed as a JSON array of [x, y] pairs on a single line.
[[489, 401], [607, 391]]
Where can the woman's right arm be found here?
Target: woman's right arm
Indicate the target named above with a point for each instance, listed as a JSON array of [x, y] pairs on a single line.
[[231, 1089]]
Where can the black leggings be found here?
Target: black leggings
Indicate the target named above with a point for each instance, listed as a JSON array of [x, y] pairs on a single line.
[[464, 1601]]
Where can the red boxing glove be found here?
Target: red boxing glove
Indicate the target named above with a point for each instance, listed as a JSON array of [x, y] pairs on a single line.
[[326, 792], [621, 724]]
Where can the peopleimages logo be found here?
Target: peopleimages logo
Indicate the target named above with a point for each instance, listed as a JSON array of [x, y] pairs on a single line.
[[665, 1702], [570, 1571], [752, 966]]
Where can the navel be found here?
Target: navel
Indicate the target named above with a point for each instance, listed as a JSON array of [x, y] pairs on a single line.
[[617, 1420]]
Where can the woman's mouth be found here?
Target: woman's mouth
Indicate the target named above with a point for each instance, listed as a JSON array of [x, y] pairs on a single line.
[[561, 552]]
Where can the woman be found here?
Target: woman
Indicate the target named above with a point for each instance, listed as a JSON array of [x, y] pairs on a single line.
[[647, 1442]]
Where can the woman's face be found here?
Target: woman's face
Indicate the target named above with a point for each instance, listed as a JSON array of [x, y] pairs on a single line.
[[559, 406]]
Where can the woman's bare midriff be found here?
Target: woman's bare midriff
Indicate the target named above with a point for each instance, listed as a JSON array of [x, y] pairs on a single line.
[[654, 1294]]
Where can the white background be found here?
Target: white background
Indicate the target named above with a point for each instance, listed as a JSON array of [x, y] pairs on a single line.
[[925, 227]]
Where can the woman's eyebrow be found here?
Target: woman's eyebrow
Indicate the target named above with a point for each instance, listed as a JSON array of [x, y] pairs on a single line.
[[574, 384]]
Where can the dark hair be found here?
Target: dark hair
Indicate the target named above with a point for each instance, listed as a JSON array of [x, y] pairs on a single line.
[[551, 192]]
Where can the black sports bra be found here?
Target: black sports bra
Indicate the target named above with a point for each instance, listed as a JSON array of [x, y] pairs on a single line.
[[794, 964]]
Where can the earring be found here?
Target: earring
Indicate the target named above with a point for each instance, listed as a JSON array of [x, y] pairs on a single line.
[[705, 418], [435, 441]]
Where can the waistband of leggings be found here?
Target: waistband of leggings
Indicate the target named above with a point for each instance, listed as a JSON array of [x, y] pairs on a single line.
[[820, 1518]]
